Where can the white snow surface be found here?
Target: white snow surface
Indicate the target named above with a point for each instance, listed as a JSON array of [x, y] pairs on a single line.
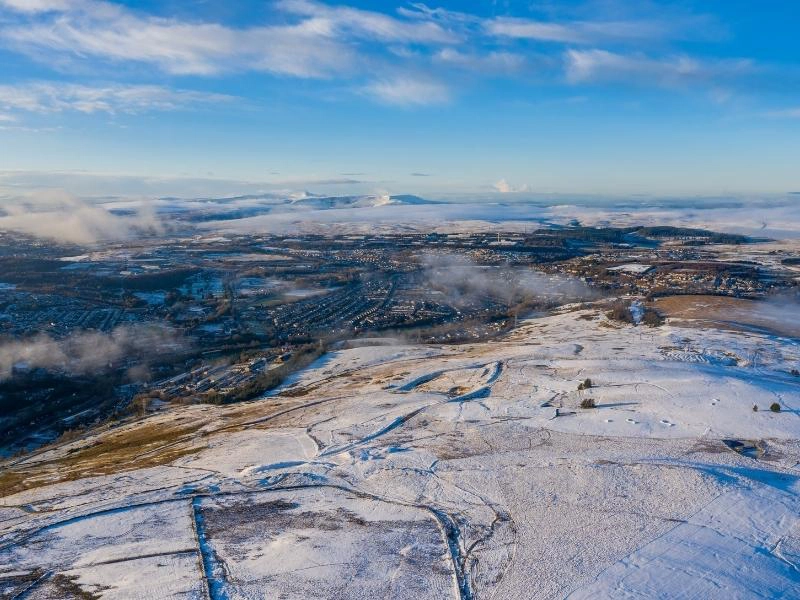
[[449, 472]]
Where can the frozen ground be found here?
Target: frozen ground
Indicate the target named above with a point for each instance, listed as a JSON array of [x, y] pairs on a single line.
[[441, 472]]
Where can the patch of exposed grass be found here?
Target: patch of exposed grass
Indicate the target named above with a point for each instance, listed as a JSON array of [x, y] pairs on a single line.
[[147, 444], [13, 481]]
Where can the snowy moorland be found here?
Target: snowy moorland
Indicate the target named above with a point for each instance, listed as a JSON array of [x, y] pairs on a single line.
[[473, 471]]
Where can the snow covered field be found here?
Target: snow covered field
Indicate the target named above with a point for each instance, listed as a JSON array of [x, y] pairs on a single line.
[[441, 472]]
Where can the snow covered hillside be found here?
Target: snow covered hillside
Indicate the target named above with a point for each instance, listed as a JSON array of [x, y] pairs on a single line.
[[467, 472]]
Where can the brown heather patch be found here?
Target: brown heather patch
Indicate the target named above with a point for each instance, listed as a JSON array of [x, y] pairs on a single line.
[[723, 312], [148, 444]]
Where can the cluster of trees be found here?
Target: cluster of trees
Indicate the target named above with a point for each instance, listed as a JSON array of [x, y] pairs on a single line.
[[588, 234], [621, 312], [618, 234], [712, 237], [651, 318], [155, 281]]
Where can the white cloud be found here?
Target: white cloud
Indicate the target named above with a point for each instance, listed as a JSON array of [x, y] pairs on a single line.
[[408, 91], [318, 45], [492, 63], [523, 28], [36, 6], [363, 23], [602, 65], [577, 32], [48, 97], [320, 40], [112, 32], [449, 18], [786, 113], [504, 187]]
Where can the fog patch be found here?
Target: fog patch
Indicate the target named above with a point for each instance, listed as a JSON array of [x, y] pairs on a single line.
[[57, 216], [464, 282], [771, 217], [780, 311], [89, 352]]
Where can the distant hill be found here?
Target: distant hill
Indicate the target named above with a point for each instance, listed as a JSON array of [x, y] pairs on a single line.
[[251, 205], [364, 201]]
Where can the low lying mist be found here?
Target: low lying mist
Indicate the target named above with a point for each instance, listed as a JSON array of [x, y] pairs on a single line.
[[465, 282], [60, 217], [86, 353], [780, 311]]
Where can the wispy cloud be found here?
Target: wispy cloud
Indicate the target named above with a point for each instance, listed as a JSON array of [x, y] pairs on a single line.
[[37, 6], [577, 32], [107, 31], [603, 66], [443, 16], [49, 97], [316, 45], [362, 23], [491, 63], [408, 91], [784, 113], [362, 49]]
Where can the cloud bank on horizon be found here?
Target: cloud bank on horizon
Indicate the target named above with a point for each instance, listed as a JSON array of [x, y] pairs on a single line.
[[63, 219], [554, 97]]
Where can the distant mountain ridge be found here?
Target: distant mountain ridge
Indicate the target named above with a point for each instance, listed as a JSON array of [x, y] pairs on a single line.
[[251, 205], [361, 201], [316, 201]]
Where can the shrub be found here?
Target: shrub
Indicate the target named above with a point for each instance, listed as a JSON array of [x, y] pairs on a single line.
[[775, 407], [620, 312], [652, 319], [585, 384], [588, 403]]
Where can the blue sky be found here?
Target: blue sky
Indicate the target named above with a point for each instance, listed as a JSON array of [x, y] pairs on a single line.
[[441, 99]]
